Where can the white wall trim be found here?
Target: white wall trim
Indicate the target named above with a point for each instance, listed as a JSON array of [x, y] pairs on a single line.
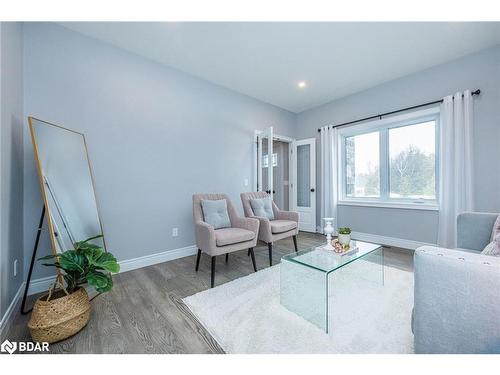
[[149, 260], [6, 319], [43, 284], [389, 241]]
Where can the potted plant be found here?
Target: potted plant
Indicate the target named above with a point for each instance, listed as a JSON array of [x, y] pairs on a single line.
[[65, 312], [344, 236]]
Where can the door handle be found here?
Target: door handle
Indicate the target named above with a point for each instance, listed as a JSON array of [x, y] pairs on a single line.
[[312, 190]]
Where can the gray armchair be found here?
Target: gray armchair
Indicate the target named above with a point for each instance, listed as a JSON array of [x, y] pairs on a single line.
[[457, 292], [241, 235], [285, 224]]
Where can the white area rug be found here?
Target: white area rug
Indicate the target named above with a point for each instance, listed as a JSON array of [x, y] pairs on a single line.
[[245, 315]]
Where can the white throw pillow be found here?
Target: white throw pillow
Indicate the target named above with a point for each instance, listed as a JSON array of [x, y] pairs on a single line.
[[262, 207]]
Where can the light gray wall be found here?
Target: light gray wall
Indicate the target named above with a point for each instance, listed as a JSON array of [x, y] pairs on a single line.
[[481, 70], [11, 158], [155, 137]]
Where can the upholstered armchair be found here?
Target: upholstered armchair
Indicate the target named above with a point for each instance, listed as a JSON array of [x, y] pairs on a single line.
[[241, 235], [285, 223]]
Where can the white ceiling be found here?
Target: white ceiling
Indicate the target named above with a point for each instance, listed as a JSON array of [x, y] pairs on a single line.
[[266, 60]]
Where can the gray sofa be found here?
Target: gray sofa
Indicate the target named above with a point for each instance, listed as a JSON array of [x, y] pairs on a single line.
[[457, 292]]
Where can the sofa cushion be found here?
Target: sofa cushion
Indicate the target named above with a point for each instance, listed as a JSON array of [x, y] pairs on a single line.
[[262, 207], [215, 213], [280, 226], [229, 236]]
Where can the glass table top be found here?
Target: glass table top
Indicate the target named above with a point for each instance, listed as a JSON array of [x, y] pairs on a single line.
[[327, 260]]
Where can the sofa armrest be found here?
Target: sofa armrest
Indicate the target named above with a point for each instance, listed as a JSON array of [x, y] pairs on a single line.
[[265, 233], [474, 229], [205, 236], [248, 223], [288, 215], [456, 301]]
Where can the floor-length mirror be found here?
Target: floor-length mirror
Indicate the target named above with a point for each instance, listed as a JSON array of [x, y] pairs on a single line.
[[66, 184]]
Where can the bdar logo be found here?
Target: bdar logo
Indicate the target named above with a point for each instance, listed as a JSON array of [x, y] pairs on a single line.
[[9, 347], [23, 346]]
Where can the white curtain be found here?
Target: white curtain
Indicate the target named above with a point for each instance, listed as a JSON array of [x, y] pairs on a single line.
[[456, 164], [329, 155]]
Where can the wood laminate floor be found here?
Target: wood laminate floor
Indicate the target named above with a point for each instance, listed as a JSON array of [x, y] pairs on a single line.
[[144, 312]]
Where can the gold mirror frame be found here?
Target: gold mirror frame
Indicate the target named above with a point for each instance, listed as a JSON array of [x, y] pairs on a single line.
[[43, 188]]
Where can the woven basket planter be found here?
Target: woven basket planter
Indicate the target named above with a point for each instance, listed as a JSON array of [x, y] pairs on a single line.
[[55, 319]]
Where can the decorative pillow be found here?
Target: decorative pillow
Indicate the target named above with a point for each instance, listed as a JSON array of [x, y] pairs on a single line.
[[262, 207], [496, 229], [492, 249], [215, 213]]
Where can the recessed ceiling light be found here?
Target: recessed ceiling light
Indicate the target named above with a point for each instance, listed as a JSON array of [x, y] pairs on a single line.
[[302, 84]]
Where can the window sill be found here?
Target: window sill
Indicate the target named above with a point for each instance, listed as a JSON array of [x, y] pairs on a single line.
[[402, 205]]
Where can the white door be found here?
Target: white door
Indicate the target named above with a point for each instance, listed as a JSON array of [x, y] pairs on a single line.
[[304, 183], [265, 161]]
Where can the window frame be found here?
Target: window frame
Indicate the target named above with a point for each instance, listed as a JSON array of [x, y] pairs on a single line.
[[383, 126]]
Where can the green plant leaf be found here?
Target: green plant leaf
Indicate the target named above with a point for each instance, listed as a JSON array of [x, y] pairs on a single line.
[[107, 262], [93, 238], [72, 261], [108, 287], [100, 281], [86, 263], [92, 254], [81, 246], [85, 243], [48, 257], [52, 265]]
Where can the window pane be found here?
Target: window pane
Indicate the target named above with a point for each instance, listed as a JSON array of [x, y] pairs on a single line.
[[412, 152], [303, 176], [362, 165]]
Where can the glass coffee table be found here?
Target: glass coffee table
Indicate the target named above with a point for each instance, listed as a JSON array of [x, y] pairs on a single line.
[[305, 277]]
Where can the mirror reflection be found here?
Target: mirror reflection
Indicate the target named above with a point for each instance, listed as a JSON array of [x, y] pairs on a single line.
[[67, 184]]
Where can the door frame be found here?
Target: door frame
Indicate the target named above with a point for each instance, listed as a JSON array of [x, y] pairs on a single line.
[[281, 138], [312, 176]]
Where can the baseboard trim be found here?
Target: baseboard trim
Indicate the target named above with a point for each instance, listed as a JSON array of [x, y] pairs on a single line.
[[6, 319], [149, 260], [42, 284], [389, 241]]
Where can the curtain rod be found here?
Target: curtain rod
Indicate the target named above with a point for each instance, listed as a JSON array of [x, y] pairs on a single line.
[[476, 92]]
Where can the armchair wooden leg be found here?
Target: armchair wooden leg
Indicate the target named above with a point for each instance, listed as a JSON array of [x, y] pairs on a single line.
[[295, 242], [198, 260], [213, 273], [227, 257], [253, 259], [270, 246]]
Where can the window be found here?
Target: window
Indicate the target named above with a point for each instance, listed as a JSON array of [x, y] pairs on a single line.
[[265, 160], [412, 161], [362, 156], [391, 161]]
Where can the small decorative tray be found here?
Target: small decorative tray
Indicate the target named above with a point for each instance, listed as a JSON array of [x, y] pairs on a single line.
[[340, 249], [348, 251]]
